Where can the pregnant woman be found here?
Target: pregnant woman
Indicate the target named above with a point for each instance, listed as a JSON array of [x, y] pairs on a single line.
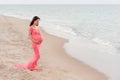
[[36, 40]]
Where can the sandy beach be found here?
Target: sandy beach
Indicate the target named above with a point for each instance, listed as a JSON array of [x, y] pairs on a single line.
[[54, 63]]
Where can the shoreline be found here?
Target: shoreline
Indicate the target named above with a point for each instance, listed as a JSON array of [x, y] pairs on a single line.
[[54, 59]]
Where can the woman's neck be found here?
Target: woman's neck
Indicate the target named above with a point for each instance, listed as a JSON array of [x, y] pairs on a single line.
[[34, 26]]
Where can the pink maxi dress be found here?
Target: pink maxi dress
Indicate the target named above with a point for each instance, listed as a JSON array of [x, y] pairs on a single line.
[[32, 63]]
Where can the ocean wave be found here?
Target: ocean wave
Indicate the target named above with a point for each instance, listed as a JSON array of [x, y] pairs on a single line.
[[103, 42]]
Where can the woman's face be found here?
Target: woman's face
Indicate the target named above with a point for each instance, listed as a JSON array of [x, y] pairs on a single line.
[[36, 22]]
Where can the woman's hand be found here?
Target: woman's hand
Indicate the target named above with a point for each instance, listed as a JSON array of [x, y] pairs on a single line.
[[36, 41]]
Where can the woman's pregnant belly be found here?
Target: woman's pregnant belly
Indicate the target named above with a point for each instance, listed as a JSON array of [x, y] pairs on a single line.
[[38, 37]]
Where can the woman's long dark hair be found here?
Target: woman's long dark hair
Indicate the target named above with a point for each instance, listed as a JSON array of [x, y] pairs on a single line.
[[34, 19]]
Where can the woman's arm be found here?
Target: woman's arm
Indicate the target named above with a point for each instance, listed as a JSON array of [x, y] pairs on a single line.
[[30, 34]]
